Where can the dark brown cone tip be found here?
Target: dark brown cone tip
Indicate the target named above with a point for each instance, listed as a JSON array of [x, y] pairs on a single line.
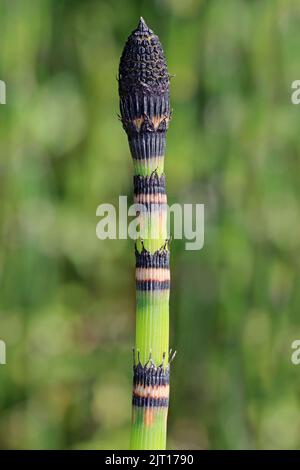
[[142, 26], [142, 66]]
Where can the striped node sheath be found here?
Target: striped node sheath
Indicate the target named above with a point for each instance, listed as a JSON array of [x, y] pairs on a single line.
[[145, 114]]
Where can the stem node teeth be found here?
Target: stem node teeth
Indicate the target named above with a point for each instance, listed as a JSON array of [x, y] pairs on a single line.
[[162, 365], [172, 356]]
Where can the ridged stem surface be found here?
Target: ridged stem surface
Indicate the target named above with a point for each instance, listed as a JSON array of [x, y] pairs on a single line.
[[145, 114]]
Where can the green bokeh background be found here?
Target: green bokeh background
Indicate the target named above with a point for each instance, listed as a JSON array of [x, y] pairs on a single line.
[[67, 298]]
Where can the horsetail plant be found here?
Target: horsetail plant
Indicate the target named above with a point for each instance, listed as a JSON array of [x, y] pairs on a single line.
[[145, 114]]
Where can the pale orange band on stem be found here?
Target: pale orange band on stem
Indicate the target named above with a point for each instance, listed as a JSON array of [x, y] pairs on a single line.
[[152, 391], [150, 198], [152, 274]]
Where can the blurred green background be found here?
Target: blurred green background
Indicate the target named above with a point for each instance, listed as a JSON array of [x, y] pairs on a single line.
[[67, 298]]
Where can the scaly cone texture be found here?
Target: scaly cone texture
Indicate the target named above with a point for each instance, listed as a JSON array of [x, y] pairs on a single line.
[[145, 114]]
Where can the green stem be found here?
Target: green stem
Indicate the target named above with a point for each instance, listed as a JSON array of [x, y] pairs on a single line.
[[145, 113]]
